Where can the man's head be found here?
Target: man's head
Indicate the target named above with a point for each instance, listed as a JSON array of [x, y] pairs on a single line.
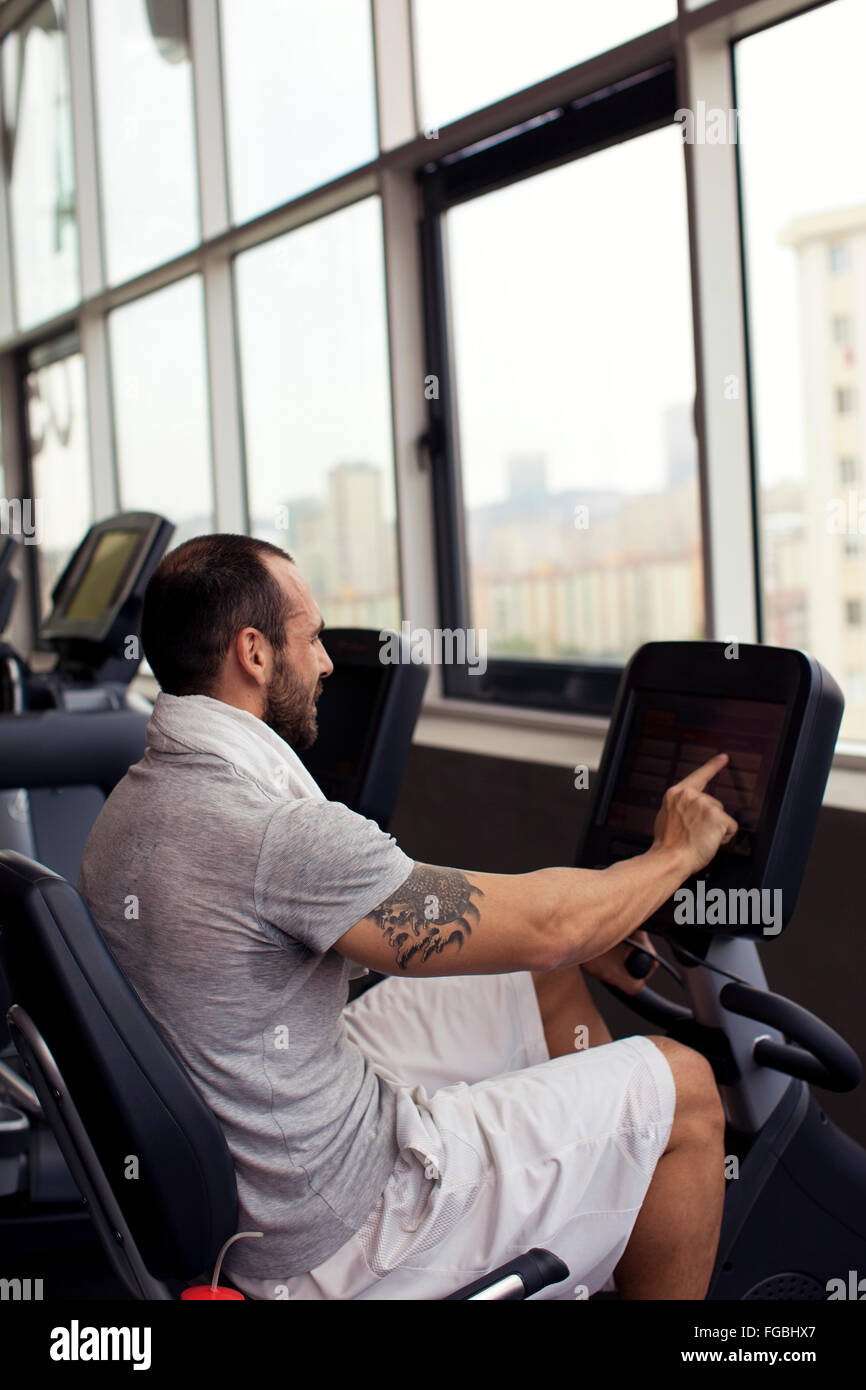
[[232, 617]]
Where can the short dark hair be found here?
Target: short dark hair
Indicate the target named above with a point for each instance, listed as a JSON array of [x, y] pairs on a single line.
[[199, 597]]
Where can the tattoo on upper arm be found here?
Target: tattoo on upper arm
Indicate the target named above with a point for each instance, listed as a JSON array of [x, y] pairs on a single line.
[[417, 917]]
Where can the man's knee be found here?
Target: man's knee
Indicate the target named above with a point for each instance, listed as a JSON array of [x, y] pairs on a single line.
[[699, 1112]]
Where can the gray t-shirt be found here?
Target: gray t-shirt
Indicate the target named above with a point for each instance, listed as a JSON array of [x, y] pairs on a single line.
[[221, 877]]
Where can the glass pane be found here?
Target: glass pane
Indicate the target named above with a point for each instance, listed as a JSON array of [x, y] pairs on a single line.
[[144, 99], [574, 370], [57, 430], [468, 55], [314, 359], [804, 196], [300, 97], [37, 122], [159, 376]]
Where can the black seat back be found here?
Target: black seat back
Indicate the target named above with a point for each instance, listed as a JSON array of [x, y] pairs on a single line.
[[157, 1143], [56, 769], [367, 715]]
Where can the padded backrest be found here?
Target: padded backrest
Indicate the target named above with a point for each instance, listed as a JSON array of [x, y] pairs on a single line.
[[367, 711], [56, 769], [132, 1092]]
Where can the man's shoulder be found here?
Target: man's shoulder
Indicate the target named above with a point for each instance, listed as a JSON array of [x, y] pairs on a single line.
[[175, 806], [310, 840], [320, 819]]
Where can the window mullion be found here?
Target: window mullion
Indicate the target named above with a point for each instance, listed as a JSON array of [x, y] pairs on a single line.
[[87, 193], [409, 372], [209, 123], [395, 77], [100, 414], [225, 407], [721, 356]]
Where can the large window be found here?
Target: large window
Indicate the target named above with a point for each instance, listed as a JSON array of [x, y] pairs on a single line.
[[300, 97], [804, 198], [40, 171], [470, 53], [159, 375], [56, 399], [523, 289], [573, 368], [314, 357], [144, 98]]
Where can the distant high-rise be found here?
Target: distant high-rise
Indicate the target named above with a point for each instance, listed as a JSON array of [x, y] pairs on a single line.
[[307, 539], [355, 527], [831, 268]]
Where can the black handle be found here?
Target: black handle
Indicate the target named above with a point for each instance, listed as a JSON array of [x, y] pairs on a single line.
[[638, 963], [822, 1057], [536, 1269], [651, 1006]]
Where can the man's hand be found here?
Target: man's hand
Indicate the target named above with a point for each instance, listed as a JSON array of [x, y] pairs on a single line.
[[610, 968], [693, 822]]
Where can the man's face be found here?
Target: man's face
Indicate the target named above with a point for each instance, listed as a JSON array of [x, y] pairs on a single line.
[[300, 667]]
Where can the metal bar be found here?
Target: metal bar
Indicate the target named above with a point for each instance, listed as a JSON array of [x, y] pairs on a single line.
[[74, 1141]]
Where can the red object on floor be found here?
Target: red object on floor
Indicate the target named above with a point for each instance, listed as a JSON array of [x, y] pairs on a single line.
[[203, 1293]]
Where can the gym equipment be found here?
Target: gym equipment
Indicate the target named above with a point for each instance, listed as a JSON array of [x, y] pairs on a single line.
[[795, 1216], [93, 629], [67, 736], [368, 710]]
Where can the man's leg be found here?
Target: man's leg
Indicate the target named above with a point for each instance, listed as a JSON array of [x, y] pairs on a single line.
[[673, 1244], [672, 1247], [566, 1004]]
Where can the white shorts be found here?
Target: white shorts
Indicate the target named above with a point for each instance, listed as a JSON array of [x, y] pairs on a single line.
[[501, 1147]]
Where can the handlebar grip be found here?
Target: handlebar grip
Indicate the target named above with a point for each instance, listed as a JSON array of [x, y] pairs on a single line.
[[536, 1269], [651, 1005], [638, 963], [819, 1056]]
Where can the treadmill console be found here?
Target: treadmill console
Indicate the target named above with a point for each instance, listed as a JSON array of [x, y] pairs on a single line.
[[97, 601], [776, 713]]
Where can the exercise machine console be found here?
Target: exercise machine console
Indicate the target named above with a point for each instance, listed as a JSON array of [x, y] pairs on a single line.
[[93, 628], [795, 1210]]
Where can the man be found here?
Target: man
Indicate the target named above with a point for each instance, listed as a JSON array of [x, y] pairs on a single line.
[[443, 1122]]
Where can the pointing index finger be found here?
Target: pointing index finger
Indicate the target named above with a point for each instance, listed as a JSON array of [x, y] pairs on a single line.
[[704, 774]]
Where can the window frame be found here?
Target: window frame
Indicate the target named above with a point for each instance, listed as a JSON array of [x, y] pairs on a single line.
[[642, 102]]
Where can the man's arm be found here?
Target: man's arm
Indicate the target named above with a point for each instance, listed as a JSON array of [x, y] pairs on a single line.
[[449, 922], [443, 921]]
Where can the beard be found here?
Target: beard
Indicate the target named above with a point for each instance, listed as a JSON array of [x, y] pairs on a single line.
[[290, 708]]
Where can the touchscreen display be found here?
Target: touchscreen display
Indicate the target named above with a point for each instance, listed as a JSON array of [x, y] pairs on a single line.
[[670, 735], [100, 581]]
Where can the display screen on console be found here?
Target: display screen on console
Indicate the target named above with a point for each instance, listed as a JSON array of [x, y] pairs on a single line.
[[671, 734], [99, 583]]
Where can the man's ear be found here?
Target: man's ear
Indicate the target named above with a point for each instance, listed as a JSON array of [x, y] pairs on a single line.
[[251, 655]]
